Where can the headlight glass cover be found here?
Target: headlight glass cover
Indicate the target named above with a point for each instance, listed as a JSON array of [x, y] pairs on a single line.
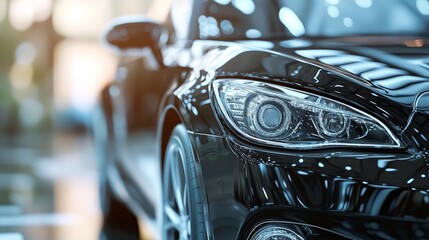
[[273, 115]]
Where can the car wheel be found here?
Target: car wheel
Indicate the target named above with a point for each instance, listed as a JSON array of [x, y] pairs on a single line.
[[183, 213], [118, 220]]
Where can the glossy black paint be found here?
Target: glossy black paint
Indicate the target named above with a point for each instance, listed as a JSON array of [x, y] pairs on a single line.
[[331, 225], [336, 192]]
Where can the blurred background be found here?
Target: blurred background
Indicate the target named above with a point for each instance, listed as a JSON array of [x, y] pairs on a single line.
[[52, 66]]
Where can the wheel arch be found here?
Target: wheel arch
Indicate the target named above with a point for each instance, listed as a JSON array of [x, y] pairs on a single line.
[[171, 118]]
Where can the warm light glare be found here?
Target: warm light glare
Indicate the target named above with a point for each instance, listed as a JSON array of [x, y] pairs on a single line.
[[21, 76], [81, 18], [77, 195], [159, 10], [42, 9], [415, 43], [130, 7], [21, 14], [81, 71]]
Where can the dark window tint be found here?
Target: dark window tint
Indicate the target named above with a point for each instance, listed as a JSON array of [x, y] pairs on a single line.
[[241, 19]]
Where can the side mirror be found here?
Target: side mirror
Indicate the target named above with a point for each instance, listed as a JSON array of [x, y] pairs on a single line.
[[137, 32]]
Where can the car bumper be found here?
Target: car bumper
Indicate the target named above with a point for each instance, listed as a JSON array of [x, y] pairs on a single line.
[[335, 193], [334, 225]]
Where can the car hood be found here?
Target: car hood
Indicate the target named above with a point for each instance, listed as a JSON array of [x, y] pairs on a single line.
[[382, 76], [395, 67]]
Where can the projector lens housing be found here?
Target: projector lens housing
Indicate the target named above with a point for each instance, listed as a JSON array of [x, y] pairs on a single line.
[[274, 115]]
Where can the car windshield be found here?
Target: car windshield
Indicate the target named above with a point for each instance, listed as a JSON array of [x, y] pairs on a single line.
[[242, 19]]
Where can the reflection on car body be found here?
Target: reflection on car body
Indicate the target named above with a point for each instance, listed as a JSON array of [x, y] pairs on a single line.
[[249, 119]]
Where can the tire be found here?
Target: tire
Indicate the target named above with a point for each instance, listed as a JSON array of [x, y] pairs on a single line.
[[118, 221], [183, 210]]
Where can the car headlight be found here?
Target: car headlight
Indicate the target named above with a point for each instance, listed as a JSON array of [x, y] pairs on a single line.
[[276, 233], [278, 116]]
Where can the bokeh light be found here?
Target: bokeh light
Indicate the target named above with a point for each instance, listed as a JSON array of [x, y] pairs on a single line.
[[25, 53], [21, 14], [52, 68], [423, 6], [21, 76], [82, 68], [42, 9], [81, 18]]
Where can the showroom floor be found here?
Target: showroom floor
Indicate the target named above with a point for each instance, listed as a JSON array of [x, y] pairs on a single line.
[[48, 187]]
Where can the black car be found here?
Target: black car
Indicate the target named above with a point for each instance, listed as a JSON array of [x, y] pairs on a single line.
[[255, 119]]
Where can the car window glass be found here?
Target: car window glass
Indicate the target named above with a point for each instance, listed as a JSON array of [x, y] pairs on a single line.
[[243, 19]]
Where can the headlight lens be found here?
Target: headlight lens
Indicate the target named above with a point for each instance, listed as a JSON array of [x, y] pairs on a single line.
[[276, 233], [267, 116], [280, 116]]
